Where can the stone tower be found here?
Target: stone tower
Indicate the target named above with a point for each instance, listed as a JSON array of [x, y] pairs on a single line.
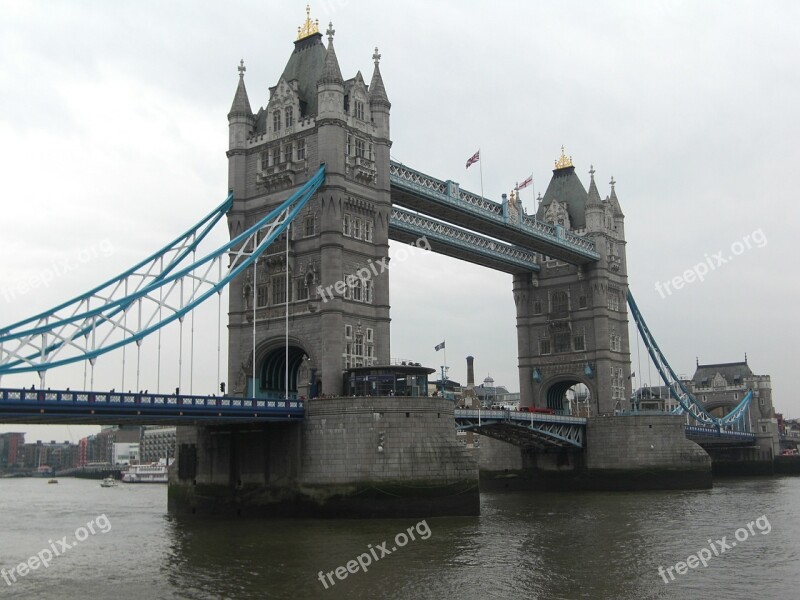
[[337, 300], [572, 321]]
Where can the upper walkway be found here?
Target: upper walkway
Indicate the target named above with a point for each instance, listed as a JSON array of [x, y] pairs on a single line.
[[445, 200]]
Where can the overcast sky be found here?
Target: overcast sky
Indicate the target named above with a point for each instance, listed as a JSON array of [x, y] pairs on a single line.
[[113, 134]]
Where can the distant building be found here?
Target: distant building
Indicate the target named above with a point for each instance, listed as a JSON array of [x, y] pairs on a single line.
[[12, 451], [125, 453], [157, 443], [56, 455]]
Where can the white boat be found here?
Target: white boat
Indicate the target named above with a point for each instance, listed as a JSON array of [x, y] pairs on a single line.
[[153, 473], [108, 482]]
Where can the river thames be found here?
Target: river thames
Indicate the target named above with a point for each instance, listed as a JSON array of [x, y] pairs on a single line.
[[120, 543]]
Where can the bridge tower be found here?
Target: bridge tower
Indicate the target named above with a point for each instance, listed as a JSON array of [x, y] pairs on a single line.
[[572, 321], [338, 288]]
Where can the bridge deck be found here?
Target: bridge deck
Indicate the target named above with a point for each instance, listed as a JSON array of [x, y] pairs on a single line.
[[98, 408]]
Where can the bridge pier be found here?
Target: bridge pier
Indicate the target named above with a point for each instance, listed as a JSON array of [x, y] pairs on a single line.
[[622, 453], [350, 457]]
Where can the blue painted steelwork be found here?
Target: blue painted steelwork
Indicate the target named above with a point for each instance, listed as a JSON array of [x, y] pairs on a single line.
[[471, 246], [685, 399], [74, 326], [693, 431], [553, 430], [449, 194], [60, 406]]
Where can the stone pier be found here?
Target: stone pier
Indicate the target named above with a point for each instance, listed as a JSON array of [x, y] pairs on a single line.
[[350, 457]]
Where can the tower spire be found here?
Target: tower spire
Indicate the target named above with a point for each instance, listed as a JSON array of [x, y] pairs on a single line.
[[331, 73], [377, 91], [241, 103], [594, 195]]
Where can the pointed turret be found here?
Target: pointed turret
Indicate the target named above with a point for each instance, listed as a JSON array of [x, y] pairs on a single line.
[[594, 205], [241, 103], [594, 195], [240, 127], [377, 91], [613, 199], [331, 73]]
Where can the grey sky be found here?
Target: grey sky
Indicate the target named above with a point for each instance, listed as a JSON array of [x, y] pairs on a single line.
[[113, 135]]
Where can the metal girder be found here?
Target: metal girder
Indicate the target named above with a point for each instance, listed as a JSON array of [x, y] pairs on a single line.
[[445, 200], [528, 430], [157, 291], [406, 226], [687, 402]]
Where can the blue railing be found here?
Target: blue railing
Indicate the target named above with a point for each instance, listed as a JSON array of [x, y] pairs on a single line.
[[698, 431], [64, 402]]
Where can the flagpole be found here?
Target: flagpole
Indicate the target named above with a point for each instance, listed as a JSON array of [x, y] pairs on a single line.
[[480, 166]]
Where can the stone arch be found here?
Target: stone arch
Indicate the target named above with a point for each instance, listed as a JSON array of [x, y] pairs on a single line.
[[554, 390]]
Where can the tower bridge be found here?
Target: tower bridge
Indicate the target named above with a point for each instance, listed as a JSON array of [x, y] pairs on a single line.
[[314, 200]]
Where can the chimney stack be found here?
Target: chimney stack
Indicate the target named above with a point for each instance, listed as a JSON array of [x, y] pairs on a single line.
[[470, 373]]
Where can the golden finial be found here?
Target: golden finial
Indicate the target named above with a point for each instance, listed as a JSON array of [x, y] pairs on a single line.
[[309, 27], [564, 161]]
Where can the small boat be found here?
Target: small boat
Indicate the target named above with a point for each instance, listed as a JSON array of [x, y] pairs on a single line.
[[52, 481], [108, 482]]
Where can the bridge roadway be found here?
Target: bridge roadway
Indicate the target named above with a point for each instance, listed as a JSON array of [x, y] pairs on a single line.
[[114, 408], [445, 201], [528, 430]]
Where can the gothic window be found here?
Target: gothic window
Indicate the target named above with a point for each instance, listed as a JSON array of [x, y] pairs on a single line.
[[613, 298], [359, 110], [579, 341], [309, 226], [264, 161], [359, 148], [357, 228], [287, 153], [276, 120], [559, 302], [346, 225], [582, 301], [561, 341], [302, 289], [279, 289], [261, 295], [276, 155], [301, 149], [370, 335], [544, 346], [368, 230], [368, 294], [347, 288], [537, 306], [358, 347], [348, 332], [615, 341], [349, 144], [289, 113], [357, 290], [369, 156]]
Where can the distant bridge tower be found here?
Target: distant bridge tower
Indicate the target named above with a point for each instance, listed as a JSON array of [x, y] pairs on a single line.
[[572, 322], [313, 116]]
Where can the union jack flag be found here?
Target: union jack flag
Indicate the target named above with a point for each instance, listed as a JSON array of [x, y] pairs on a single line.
[[473, 159]]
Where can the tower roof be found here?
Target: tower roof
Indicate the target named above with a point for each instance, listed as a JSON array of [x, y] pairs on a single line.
[[306, 63], [241, 103], [732, 372], [377, 91], [566, 188]]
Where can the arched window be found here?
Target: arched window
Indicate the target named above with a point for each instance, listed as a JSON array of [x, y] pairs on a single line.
[[559, 302], [289, 113], [276, 120]]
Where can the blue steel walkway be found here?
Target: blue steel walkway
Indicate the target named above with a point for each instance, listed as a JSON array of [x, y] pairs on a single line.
[[112, 408]]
